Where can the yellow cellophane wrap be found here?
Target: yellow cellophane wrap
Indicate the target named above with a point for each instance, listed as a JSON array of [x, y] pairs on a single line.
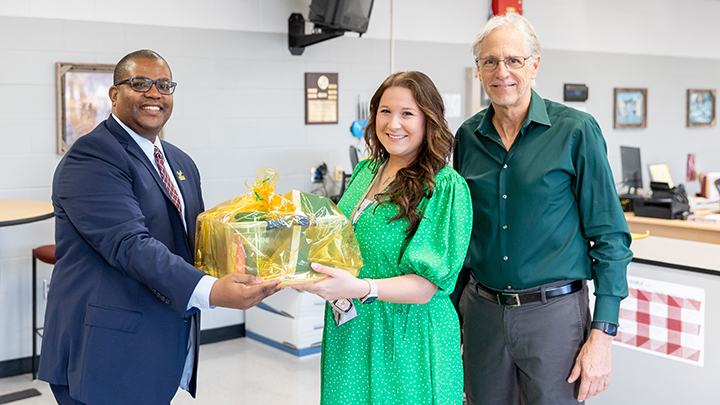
[[275, 237]]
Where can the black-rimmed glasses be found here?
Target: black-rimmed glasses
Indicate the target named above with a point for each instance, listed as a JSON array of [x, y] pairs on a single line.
[[512, 62], [143, 85]]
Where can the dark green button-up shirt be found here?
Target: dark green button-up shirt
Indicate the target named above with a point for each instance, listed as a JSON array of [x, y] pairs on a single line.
[[547, 209]]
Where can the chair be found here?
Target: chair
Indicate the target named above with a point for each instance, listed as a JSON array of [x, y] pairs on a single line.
[[353, 157], [45, 254]]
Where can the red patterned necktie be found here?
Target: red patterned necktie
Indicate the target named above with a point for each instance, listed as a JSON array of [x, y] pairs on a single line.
[[166, 179]]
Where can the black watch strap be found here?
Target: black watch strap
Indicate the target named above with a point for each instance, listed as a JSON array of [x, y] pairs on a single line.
[[607, 327]]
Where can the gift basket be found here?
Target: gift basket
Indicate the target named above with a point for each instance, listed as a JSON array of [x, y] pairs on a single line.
[[275, 236]]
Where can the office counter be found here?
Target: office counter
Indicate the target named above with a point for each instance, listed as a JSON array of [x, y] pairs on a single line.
[[643, 378], [678, 254], [674, 228]]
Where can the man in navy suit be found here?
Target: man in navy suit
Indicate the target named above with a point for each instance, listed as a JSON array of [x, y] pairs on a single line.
[[123, 316]]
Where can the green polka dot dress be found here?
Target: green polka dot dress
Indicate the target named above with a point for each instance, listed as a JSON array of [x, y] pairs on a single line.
[[402, 353]]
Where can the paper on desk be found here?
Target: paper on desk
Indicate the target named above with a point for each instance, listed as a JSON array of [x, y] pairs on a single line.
[[700, 202], [660, 173]]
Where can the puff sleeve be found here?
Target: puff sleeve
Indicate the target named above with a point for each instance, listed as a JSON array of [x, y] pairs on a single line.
[[438, 248]]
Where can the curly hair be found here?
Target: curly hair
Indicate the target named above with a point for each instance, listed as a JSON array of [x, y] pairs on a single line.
[[415, 181]]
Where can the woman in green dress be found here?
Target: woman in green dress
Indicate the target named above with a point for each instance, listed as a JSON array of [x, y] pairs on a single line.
[[412, 217]]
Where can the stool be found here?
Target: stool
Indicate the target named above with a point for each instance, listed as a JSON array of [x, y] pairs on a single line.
[[45, 254]]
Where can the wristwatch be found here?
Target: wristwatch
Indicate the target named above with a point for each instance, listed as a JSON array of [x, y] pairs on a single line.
[[607, 327], [372, 295]]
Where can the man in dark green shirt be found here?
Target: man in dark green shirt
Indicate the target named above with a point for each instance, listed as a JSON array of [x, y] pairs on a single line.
[[546, 218]]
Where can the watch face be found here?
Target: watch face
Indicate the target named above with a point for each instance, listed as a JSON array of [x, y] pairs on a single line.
[[607, 327], [369, 300]]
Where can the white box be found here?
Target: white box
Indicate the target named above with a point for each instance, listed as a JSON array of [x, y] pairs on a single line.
[[294, 303], [708, 188], [300, 335]]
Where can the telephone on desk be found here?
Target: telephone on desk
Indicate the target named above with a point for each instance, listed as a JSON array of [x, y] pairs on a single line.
[[666, 202]]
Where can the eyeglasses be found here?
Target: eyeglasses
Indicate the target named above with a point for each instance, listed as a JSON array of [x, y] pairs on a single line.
[[513, 62], [143, 85]]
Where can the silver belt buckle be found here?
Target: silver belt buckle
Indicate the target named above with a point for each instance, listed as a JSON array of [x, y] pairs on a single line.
[[515, 295]]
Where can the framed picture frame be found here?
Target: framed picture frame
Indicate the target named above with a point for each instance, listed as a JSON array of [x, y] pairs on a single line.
[[630, 108], [82, 99], [700, 108]]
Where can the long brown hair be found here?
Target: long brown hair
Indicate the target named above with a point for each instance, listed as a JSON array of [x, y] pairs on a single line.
[[415, 181]]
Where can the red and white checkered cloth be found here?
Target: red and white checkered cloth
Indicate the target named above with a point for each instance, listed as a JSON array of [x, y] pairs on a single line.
[[663, 319]]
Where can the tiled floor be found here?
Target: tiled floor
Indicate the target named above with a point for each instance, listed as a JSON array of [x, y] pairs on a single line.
[[238, 371]]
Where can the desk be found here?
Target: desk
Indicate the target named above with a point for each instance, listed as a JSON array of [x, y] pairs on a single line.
[[17, 212], [674, 228]]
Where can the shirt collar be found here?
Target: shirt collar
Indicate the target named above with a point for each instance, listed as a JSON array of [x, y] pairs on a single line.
[[536, 113], [147, 147]]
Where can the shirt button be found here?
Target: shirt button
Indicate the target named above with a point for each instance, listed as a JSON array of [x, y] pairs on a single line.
[[504, 226], [504, 196], [505, 258]]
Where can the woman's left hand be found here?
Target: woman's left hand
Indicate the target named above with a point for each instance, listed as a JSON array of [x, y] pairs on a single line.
[[338, 284]]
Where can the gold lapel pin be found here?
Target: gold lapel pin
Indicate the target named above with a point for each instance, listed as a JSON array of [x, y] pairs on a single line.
[[180, 175]]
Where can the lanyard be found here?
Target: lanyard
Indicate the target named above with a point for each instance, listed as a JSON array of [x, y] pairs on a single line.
[[364, 204]]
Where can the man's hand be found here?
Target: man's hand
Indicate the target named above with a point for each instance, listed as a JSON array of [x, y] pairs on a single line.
[[593, 365], [241, 291]]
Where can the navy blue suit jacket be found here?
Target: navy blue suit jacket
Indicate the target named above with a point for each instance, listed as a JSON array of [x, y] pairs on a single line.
[[116, 326]]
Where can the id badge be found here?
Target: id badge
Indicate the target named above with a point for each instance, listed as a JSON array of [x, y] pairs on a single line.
[[343, 310], [342, 305]]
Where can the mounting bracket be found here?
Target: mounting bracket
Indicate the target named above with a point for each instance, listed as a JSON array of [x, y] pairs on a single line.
[[298, 40]]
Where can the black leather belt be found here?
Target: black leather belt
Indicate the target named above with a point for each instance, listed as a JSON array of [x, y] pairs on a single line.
[[517, 299]]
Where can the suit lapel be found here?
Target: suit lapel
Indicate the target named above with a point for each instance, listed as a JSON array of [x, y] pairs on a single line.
[[134, 149]]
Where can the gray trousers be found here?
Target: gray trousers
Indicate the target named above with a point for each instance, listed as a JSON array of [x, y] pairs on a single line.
[[522, 355]]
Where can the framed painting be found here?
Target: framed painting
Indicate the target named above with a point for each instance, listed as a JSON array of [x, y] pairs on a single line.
[[82, 100], [700, 108], [630, 108]]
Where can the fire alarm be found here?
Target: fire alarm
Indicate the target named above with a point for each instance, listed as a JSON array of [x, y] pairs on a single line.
[[502, 7]]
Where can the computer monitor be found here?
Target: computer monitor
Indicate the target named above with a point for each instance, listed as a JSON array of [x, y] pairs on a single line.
[[631, 168]]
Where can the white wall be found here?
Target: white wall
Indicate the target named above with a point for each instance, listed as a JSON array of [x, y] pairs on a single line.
[[256, 117], [638, 27], [646, 27]]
